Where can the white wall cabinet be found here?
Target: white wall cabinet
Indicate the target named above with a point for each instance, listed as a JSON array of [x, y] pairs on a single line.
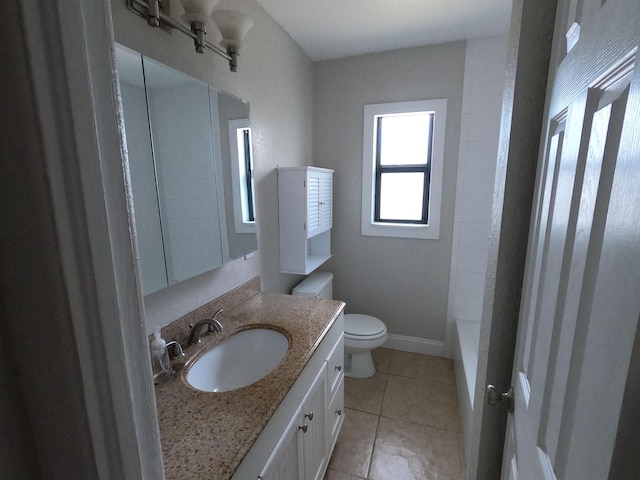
[[298, 441], [305, 199]]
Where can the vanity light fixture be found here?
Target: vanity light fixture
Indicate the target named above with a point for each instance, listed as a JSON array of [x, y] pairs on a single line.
[[233, 25]]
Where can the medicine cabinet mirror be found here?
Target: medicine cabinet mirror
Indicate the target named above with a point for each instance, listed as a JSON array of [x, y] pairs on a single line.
[[191, 171]]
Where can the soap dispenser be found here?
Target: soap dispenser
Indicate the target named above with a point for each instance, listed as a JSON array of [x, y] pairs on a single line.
[[160, 361]]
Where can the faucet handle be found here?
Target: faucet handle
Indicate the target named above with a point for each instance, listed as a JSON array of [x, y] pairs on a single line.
[[215, 325], [178, 351]]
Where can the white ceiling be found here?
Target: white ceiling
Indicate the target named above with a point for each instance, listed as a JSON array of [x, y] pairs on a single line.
[[330, 29]]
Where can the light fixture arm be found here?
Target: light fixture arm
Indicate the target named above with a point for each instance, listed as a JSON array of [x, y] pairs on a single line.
[[232, 51], [155, 11], [200, 29]]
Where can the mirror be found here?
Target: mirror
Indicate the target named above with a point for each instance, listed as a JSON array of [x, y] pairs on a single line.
[[191, 171]]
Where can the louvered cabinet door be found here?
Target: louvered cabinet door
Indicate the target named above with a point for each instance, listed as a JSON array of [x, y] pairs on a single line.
[[314, 224], [326, 201], [319, 202]]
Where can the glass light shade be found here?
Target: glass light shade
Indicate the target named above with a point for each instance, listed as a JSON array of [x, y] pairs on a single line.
[[197, 10], [233, 26]]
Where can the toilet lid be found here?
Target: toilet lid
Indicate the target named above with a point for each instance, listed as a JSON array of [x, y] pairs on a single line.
[[357, 324]]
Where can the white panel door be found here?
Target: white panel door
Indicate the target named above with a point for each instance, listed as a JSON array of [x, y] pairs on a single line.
[[581, 296]]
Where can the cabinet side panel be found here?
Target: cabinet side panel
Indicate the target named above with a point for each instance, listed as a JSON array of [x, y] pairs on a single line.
[[292, 215]]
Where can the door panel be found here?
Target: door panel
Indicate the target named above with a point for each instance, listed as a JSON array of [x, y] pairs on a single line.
[[604, 331], [549, 196]]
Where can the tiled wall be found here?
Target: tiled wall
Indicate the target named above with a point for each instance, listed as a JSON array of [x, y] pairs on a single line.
[[481, 109], [485, 67]]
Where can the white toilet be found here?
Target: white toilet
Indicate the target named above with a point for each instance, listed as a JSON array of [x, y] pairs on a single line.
[[362, 333]]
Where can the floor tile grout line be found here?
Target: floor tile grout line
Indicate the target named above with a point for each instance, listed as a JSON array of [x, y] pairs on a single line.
[[384, 392], [420, 424], [375, 438], [422, 379]]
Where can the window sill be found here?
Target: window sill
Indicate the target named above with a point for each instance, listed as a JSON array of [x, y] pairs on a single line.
[[426, 232]]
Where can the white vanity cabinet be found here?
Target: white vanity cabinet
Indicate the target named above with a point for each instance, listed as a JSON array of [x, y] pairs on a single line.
[[314, 429], [297, 442], [287, 460], [335, 394], [301, 452], [305, 199]]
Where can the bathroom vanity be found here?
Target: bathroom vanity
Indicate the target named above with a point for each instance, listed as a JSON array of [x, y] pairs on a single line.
[[282, 426]]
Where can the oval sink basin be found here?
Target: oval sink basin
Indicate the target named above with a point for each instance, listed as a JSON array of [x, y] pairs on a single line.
[[239, 360]]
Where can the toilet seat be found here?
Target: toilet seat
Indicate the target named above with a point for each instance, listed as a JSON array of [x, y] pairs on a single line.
[[362, 327]]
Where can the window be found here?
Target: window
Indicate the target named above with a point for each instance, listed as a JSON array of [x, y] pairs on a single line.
[[403, 155], [242, 173]]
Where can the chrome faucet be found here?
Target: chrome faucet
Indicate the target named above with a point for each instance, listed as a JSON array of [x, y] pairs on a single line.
[[213, 323]]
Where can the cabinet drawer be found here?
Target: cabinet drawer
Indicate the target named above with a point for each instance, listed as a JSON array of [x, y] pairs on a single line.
[[335, 366], [335, 415]]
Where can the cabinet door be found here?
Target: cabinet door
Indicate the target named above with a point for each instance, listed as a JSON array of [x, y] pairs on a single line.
[[286, 461], [313, 204], [314, 439], [326, 202]]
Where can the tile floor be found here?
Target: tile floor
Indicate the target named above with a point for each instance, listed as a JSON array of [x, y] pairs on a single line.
[[402, 423]]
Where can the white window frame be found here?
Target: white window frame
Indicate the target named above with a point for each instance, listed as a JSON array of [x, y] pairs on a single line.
[[382, 229], [239, 185]]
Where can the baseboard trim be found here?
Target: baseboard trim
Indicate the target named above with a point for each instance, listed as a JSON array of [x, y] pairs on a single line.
[[414, 345]]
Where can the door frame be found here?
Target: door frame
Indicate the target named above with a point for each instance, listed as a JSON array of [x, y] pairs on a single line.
[[520, 144], [523, 108], [76, 338]]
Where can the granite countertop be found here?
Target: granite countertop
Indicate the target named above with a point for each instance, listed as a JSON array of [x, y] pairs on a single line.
[[207, 435]]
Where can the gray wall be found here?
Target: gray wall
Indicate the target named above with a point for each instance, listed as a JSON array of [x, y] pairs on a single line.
[[276, 77], [404, 282]]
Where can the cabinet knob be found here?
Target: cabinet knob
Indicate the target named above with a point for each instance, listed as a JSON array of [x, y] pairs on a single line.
[[339, 368], [309, 415], [304, 428], [338, 412]]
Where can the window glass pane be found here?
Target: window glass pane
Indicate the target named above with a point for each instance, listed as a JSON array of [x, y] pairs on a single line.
[[243, 137], [405, 139], [401, 196]]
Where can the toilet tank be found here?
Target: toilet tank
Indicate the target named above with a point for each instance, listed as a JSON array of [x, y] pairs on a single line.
[[318, 284]]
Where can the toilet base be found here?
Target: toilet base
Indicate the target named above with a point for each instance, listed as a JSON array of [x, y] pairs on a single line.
[[359, 365]]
